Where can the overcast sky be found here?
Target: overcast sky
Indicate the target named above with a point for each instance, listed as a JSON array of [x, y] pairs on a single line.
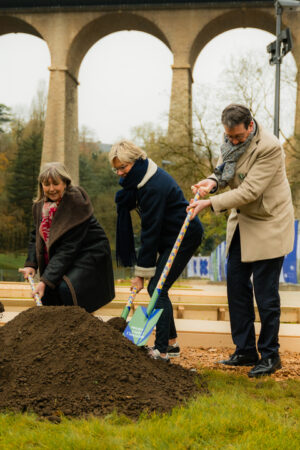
[[125, 78]]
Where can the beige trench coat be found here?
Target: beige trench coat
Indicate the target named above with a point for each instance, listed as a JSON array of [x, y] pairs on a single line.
[[260, 201]]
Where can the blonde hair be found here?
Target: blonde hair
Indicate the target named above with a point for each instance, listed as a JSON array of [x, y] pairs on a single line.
[[126, 152], [57, 172]]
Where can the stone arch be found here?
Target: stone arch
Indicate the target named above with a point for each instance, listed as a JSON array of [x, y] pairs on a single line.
[[101, 27], [10, 24], [234, 19]]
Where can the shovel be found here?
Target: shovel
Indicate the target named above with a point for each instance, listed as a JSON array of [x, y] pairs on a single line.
[[127, 308], [120, 323], [143, 321], [36, 296]]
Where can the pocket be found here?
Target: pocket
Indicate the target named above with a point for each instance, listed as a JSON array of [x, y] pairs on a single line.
[[257, 209], [266, 207]]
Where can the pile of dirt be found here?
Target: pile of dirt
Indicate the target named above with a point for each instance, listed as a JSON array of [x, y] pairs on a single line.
[[1, 310], [118, 323], [61, 360]]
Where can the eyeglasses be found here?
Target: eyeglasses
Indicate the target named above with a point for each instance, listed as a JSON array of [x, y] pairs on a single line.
[[238, 137], [119, 169]]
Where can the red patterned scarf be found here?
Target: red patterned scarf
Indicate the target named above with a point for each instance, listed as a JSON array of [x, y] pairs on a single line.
[[48, 212]]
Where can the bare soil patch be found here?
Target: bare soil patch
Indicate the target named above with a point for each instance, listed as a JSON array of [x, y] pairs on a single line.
[[199, 358], [62, 360]]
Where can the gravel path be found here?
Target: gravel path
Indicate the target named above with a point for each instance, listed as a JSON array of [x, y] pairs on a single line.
[[206, 358]]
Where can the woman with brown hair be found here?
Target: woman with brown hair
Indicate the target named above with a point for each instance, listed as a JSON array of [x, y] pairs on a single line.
[[67, 245]]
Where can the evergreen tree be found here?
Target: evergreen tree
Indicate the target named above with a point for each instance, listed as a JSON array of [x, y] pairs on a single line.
[[22, 186], [101, 184]]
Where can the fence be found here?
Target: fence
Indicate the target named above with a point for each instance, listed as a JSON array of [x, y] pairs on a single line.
[[214, 267]]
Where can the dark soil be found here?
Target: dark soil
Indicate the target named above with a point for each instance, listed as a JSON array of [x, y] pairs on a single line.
[[62, 360], [1, 307], [118, 323]]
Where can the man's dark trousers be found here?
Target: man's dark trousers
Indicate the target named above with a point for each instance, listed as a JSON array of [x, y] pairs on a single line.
[[241, 305]]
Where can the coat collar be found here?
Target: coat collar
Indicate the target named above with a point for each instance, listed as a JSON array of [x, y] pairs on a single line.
[[152, 168], [252, 146], [75, 208]]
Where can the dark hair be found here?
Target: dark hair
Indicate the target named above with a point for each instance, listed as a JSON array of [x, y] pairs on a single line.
[[235, 114]]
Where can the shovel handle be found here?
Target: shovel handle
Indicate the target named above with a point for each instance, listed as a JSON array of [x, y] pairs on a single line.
[[131, 297], [171, 258], [36, 296]]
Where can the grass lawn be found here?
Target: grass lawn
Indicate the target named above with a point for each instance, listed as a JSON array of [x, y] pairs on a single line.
[[237, 414], [12, 261]]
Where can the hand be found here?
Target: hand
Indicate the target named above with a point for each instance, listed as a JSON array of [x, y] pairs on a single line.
[[198, 206], [26, 271], [40, 289], [204, 187], [137, 282]]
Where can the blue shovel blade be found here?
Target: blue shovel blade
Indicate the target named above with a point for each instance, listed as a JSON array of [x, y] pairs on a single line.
[[140, 327]]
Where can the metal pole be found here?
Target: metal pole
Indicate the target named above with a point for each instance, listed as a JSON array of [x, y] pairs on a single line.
[[277, 62]]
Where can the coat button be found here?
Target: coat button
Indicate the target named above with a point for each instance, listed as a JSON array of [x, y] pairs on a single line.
[[238, 211]]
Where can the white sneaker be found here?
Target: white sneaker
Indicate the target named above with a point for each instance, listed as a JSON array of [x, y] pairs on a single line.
[[154, 353]]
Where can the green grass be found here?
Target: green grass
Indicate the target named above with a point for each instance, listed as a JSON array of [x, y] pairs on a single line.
[[237, 414], [12, 261]]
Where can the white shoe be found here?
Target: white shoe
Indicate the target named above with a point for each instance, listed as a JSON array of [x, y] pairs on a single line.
[[154, 353]]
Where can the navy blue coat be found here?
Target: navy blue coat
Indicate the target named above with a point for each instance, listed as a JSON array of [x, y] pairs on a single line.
[[162, 207]]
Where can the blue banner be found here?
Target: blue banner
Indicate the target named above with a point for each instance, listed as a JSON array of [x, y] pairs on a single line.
[[214, 266], [289, 268]]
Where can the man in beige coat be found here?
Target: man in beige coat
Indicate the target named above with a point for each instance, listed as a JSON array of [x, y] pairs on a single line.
[[260, 231]]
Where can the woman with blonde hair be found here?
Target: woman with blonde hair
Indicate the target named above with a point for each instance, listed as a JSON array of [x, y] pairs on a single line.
[[162, 208], [67, 245]]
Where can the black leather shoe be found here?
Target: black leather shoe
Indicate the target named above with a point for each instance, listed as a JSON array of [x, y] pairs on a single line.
[[240, 360], [265, 366]]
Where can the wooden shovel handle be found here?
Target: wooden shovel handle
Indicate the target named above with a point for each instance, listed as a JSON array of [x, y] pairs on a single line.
[[131, 297], [171, 258], [36, 296]]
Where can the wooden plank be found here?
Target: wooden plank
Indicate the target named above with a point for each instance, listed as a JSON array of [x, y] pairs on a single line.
[[289, 314]]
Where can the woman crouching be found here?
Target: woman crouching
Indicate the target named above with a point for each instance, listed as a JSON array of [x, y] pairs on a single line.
[[67, 245]]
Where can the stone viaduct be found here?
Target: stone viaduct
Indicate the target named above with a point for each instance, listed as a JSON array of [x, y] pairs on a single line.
[[71, 27]]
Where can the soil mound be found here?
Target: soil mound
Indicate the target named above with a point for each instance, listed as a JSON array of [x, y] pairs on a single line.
[[118, 323], [62, 360]]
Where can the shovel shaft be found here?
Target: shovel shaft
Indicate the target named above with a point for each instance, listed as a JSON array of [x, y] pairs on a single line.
[[171, 258], [36, 296], [126, 309]]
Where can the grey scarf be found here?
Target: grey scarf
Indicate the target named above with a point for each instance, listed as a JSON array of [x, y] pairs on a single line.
[[230, 155]]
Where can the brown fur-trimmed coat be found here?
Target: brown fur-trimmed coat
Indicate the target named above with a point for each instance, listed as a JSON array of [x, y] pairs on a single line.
[[78, 249]]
